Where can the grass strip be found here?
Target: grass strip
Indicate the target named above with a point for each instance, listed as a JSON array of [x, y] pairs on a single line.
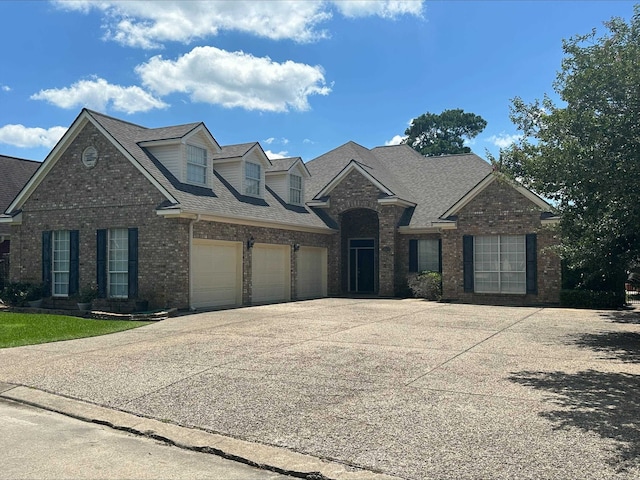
[[18, 329]]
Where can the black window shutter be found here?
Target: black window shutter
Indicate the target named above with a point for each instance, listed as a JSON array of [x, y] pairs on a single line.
[[467, 259], [101, 262], [532, 263], [413, 255], [74, 265], [133, 263], [46, 263], [440, 255]]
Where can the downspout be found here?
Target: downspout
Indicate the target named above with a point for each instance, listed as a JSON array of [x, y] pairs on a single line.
[[191, 223]]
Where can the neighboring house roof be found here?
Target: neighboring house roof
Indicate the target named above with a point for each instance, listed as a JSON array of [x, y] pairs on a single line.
[[16, 172], [435, 185], [221, 202]]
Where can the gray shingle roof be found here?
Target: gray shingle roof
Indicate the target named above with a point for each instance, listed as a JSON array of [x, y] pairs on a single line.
[[282, 164], [434, 184], [224, 200], [16, 172], [234, 151]]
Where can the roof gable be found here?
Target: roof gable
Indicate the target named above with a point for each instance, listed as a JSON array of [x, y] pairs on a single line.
[[488, 180], [116, 131]]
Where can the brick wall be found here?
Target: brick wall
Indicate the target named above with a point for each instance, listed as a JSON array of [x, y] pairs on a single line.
[[500, 210], [110, 195], [354, 205]]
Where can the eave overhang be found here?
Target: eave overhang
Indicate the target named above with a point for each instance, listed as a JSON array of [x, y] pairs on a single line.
[[434, 227], [254, 222]]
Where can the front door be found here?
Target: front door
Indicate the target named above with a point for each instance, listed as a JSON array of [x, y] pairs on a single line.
[[362, 265]]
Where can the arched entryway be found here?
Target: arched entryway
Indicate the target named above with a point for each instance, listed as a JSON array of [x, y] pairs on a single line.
[[359, 231]]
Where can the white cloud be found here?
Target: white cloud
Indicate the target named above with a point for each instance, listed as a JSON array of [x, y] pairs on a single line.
[[396, 140], [503, 140], [97, 94], [5, 88], [26, 137], [384, 9], [274, 156], [282, 141], [308, 141], [147, 24], [235, 79]]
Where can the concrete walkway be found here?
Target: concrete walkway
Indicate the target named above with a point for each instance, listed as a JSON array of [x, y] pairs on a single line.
[[357, 387]]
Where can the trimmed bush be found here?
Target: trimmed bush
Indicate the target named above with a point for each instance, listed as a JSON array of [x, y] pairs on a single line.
[[16, 294], [426, 285], [591, 299]]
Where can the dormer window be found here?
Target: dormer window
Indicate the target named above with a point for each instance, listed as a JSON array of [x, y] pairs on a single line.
[[252, 177], [295, 189], [196, 165]]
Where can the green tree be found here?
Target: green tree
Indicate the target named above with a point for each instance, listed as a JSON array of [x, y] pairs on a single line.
[[585, 154], [432, 134]]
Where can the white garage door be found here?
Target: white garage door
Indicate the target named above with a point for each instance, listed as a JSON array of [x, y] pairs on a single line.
[[312, 272], [216, 273], [270, 273]]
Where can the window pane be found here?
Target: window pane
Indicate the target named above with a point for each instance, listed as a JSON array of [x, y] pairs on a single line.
[[500, 264], [118, 263], [196, 165], [60, 262], [252, 179], [486, 282], [295, 189], [428, 255]]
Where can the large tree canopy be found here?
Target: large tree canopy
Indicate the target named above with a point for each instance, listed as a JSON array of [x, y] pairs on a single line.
[[585, 154], [432, 134]]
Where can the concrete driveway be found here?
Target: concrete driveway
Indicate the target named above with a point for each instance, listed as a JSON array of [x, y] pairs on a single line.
[[408, 388]]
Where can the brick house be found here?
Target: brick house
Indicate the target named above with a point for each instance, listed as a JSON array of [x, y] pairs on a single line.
[[169, 216], [14, 174]]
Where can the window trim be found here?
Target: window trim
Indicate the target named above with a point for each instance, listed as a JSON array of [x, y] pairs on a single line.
[[438, 244], [203, 167], [254, 181], [55, 241], [500, 270], [110, 272], [294, 189]]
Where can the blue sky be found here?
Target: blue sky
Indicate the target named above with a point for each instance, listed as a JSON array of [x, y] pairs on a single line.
[[300, 77]]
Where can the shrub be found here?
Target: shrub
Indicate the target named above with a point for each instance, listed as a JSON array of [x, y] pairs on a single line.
[[426, 285], [88, 294], [16, 294], [591, 299]]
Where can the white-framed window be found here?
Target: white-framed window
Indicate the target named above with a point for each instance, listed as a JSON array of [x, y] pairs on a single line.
[[118, 263], [196, 165], [61, 256], [500, 264], [295, 189], [252, 177], [429, 255]]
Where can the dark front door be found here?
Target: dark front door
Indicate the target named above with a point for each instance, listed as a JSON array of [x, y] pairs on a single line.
[[362, 265]]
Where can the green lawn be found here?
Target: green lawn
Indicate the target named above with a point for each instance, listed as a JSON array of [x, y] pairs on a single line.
[[29, 329]]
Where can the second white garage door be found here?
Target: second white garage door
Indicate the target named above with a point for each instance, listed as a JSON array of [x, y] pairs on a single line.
[[270, 273], [311, 281], [216, 273]]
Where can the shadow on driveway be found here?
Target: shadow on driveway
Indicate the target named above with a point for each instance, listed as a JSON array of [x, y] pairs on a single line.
[[607, 404]]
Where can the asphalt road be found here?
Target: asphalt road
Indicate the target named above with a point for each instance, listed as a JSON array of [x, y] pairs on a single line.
[[39, 444]]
